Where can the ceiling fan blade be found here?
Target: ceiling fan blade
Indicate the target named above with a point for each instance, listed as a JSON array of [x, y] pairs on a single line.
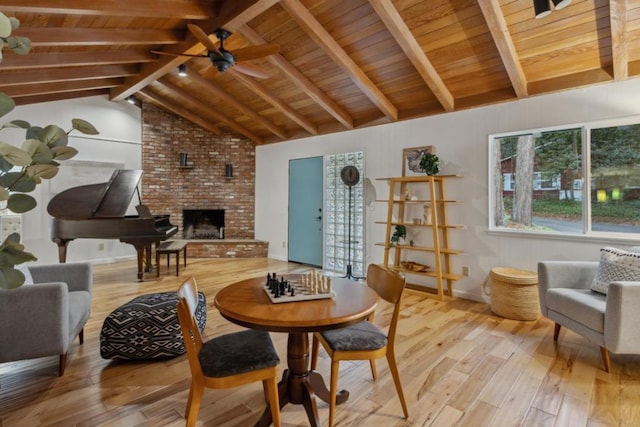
[[210, 73], [250, 70], [256, 52], [159, 52], [202, 37]]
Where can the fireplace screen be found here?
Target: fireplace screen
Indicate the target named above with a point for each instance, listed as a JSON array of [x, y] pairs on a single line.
[[203, 223]]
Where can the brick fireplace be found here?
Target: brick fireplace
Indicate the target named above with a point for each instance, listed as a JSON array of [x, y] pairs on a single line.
[[170, 188]]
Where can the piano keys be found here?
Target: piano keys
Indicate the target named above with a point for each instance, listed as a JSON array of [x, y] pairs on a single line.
[[98, 211]]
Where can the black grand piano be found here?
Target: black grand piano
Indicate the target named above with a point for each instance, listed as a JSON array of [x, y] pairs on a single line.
[[98, 211]]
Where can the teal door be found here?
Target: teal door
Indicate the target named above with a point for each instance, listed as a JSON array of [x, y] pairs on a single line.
[[305, 211]]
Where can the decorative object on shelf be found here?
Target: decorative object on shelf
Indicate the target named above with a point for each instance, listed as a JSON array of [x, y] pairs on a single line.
[[411, 159], [427, 214], [183, 159], [228, 170], [414, 266], [429, 164], [399, 234]]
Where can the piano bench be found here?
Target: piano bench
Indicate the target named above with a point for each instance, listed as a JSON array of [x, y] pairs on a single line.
[[171, 247]]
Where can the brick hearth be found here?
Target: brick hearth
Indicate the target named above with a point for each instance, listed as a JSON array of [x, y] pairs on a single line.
[[227, 248]]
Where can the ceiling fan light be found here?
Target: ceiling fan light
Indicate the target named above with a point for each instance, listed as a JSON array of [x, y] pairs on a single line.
[[542, 8], [131, 100], [182, 70], [561, 4]]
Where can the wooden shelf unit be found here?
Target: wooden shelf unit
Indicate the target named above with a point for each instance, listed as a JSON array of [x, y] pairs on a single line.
[[439, 225]]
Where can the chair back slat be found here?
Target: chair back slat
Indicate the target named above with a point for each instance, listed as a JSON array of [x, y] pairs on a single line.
[[190, 332], [387, 283]]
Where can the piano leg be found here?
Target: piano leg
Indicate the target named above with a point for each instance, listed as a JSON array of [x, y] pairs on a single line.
[[62, 249], [141, 251]]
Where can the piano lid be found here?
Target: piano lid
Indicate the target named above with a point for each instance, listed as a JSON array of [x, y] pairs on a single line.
[[105, 200]]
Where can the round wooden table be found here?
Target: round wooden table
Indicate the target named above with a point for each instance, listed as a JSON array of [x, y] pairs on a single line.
[[246, 303]]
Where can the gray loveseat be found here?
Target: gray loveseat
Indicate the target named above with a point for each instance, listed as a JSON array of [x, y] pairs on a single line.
[[611, 321], [42, 319]]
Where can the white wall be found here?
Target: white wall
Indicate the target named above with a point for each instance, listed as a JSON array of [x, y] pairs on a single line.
[[119, 142], [461, 141]]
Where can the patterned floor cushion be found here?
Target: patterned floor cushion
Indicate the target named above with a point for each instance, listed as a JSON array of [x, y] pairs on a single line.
[[147, 327]]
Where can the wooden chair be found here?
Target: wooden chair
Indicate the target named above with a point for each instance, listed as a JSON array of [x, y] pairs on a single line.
[[225, 361], [364, 341]]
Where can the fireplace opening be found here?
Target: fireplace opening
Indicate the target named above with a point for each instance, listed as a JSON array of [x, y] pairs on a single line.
[[203, 223]]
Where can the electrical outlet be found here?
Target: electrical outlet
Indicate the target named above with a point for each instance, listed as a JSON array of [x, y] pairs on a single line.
[[465, 271], [101, 246]]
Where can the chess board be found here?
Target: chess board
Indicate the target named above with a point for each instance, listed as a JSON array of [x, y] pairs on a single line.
[[301, 293]]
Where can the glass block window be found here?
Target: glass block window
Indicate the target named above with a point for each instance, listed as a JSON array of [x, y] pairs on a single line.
[[337, 224]]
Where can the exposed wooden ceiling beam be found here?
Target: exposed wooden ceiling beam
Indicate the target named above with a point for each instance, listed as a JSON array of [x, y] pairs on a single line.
[[49, 75], [619, 42], [268, 96], [229, 99], [229, 12], [502, 38], [36, 99], [322, 38], [59, 87], [183, 96], [182, 112], [99, 36], [183, 9], [321, 98], [74, 59], [405, 39]]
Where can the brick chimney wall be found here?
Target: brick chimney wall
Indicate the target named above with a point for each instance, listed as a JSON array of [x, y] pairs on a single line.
[[168, 188]]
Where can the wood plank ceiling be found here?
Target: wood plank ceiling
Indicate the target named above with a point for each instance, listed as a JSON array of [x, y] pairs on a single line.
[[342, 64]]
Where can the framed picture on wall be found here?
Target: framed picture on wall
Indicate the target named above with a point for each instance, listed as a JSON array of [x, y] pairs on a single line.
[[411, 159]]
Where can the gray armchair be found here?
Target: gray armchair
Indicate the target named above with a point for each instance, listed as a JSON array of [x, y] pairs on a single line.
[[610, 321], [42, 319]]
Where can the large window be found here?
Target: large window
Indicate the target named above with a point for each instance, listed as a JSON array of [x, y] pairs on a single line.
[[582, 180]]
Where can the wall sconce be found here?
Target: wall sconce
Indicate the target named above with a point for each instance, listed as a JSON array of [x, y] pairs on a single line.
[[183, 159], [228, 170], [182, 70], [543, 8], [131, 100]]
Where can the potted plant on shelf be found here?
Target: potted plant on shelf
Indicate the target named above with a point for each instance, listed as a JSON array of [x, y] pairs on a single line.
[[429, 164], [398, 236]]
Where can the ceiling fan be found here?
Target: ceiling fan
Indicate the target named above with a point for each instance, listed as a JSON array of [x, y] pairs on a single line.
[[222, 59]]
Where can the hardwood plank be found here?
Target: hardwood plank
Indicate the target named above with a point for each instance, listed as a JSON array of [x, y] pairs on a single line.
[[459, 365]]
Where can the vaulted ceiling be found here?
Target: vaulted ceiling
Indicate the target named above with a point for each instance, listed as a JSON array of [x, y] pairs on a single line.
[[342, 64]]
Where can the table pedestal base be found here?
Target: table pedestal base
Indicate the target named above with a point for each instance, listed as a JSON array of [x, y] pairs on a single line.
[[299, 385]]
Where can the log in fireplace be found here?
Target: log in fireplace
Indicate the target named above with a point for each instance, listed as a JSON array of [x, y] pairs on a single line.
[[203, 223]]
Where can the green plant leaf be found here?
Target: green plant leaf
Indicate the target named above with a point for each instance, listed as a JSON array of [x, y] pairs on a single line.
[[4, 194], [6, 104], [4, 165], [15, 23], [21, 124], [21, 203], [11, 278], [53, 136], [64, 153], [40, 152], [84, 127], [14, 155], [42, 171], [33, 132], [20, 45], [5, 26], [13, 237], [17, 181]]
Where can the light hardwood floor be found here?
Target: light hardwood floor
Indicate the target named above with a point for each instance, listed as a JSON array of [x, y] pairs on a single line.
[[459, 365]]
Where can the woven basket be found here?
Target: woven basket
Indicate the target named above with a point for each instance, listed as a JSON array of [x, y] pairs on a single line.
[[514, 293]]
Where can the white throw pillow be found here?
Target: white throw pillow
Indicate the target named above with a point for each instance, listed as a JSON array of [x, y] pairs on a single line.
[[615, 265], [28, 279]]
